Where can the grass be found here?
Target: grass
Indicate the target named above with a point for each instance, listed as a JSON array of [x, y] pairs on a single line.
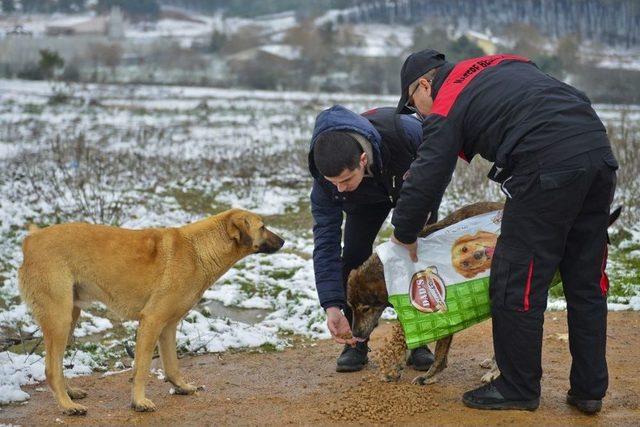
[[33, 109], [251, 288], [282, 274], [623, 273], [267, 348], [298, 218], [198, 202]]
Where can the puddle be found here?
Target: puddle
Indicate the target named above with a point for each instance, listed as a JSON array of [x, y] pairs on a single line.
[[250, 316]]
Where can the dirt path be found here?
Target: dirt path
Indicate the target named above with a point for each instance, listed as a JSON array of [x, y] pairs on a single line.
[[300, 386]]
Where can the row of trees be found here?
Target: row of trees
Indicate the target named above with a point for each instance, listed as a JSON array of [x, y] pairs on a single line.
[[527, 42], [323, 63], [51, 66], [325, 52], [325, 57]]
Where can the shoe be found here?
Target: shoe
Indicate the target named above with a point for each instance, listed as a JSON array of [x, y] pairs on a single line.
[[587, 406], [421, 359], [488, 397], [353, 359]]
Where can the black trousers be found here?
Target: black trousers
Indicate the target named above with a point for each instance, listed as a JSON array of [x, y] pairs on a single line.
[[555, 217], [361, 227]]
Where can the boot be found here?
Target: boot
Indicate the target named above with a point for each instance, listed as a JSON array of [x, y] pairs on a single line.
[[421, 359], [353, 359], [587, 406], [488, 397]]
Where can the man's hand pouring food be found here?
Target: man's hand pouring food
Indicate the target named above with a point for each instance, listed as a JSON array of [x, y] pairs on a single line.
[[339, 327], [411, 247]]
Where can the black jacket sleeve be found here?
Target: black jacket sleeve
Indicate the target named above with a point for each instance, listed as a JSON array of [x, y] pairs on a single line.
[[429, 176], [327, 249]]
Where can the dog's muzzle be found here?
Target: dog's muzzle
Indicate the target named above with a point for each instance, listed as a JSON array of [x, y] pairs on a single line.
[[270, 246]]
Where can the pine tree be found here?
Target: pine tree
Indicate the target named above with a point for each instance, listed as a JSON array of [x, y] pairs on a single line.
[[8, 6], [49, 61]]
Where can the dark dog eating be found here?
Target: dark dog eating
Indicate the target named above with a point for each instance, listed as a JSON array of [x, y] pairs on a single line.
[[367, 290]]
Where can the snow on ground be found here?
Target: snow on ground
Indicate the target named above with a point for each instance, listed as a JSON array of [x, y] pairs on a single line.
[[147, 156], [22, 369]]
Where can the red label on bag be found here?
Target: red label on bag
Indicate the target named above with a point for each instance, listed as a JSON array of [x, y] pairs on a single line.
[[427, 291]]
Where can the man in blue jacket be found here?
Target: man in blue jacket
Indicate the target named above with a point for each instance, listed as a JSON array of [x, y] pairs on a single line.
[[553, 159], [358, 163]]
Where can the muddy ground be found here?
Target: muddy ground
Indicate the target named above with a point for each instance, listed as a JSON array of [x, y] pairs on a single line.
[[300, 386]]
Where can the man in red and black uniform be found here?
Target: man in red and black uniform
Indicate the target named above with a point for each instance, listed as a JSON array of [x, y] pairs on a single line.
[[553, 159]]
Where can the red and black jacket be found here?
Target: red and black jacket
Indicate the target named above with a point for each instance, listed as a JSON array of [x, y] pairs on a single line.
[[501, 107]]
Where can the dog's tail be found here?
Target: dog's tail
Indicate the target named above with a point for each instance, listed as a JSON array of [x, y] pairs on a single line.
[[614, 215], [32, 228]]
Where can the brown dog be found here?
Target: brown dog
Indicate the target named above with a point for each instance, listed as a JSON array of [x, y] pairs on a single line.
[[153, 275], [472, 254], [367, 291]]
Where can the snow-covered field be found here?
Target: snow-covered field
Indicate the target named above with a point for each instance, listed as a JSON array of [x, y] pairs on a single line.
[[145, 156]]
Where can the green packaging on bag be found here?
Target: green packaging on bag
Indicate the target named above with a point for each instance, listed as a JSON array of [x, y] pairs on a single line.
[[447, 290]]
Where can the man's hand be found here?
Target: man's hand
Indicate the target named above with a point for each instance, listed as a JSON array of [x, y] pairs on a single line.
[[339, 326], [411, 247]]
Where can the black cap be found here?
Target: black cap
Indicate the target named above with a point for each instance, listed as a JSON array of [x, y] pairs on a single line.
[[415, 66]]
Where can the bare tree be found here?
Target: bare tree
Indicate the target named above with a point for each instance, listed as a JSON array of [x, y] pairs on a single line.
[[107, 54], [568, 52]]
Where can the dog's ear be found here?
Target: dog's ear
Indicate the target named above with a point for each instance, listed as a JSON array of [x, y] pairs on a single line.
[[464, 239], [352, 288], [238, 229], [357, 288], [486, 235]]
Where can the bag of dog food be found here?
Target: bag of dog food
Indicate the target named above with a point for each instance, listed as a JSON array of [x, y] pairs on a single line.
[[447, 290]]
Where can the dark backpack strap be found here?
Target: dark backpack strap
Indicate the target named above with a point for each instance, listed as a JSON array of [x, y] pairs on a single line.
[[397, 148]]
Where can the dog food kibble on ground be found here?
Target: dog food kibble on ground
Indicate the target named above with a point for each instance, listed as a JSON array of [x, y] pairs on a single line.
[[400, 399], [376, 401]]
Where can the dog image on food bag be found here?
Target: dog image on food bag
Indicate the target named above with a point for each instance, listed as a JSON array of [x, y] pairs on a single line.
[[472, 254], [154, 275]]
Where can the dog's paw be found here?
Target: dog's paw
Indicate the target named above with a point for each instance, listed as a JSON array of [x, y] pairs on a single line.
[[74, 409], [143, 405], [185, 389], [490, 376], [419, 380], [76, 393], [487, 363], [424, 380]]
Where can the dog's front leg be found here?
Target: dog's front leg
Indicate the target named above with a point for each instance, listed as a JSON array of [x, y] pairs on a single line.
[[169, 358], [148, 333], [442, 351]]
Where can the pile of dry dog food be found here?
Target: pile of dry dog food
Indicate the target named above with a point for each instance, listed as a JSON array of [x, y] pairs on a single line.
[[375, 399]]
